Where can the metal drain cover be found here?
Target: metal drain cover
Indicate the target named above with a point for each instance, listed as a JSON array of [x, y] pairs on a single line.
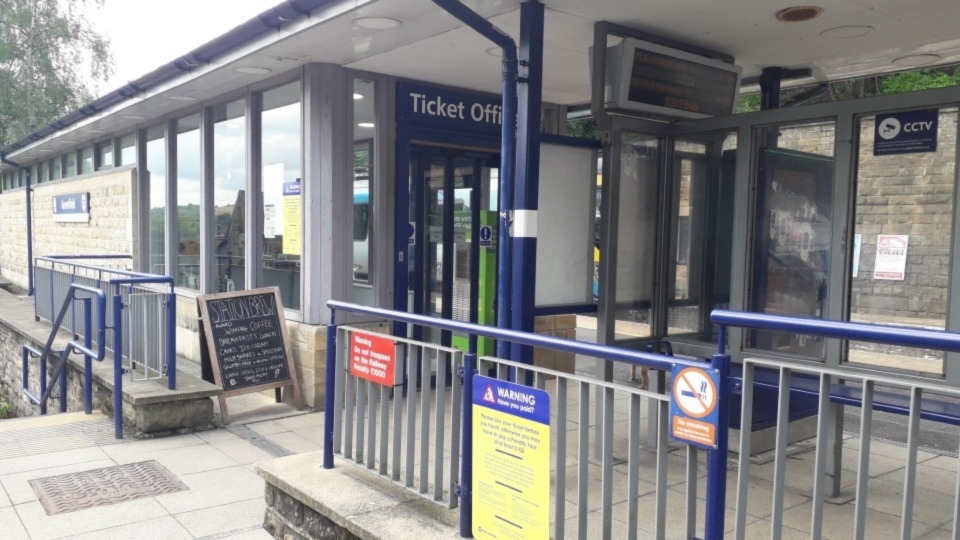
[[100, 487]]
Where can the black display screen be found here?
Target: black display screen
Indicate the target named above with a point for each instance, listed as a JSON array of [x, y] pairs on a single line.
[[684, 85]]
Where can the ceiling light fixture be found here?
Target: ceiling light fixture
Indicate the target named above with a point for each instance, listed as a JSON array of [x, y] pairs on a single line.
[[365, 124], [916, 60], [182, 98], [253, 70], [357, 96], [799, 13], [376, 23], [846, 32], [133, 117]]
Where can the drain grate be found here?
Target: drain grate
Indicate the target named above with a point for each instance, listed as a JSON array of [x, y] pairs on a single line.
[[100, 487]]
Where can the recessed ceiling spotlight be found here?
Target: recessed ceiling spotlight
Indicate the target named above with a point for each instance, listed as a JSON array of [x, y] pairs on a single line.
[[799, 13], [916, 60], [365, 124], [253, 70], [846, 32], [182, 98], [357, 96], [495, 51], [376, 23]]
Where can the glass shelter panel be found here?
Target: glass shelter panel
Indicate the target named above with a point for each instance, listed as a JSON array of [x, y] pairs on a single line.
[[700, 236], [637, 239], [282, 197], [157, 186], [900, 248], [792, 231], [229, 200], [364, 203], [188, 202]]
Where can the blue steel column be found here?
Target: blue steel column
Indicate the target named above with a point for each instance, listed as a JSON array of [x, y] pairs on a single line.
[[529, 107], [717, 459], [87, 361], [117, 363], [508, 143], [171, 340], [328, 401]]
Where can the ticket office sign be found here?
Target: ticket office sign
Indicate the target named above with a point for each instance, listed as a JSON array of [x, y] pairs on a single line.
[[374, 358], [693, 410], [511, 460]]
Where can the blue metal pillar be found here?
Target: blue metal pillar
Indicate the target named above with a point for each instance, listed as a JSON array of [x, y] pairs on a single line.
[[117, 364], [508, 143], [328, 400], [717, 459], [527, 183]]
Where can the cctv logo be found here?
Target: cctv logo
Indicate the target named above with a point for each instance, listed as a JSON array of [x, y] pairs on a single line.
[[889, 128]]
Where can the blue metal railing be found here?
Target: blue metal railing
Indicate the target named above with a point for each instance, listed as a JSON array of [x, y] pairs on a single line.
[[60, 372], [62, 270], [716, 459]]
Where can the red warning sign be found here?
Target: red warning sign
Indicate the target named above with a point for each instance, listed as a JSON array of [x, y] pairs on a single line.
[[374, 358]]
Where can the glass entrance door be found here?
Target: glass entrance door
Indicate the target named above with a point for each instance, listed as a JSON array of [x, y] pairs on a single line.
[[450, 201]]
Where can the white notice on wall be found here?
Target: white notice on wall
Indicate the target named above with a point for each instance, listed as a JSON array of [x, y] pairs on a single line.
[[891, 257], [856, 254], [269, 221]]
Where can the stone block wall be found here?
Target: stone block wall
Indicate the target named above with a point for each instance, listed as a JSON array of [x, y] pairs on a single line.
[[111, 230]]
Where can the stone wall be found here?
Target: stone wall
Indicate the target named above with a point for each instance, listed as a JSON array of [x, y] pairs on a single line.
[[111, 230]]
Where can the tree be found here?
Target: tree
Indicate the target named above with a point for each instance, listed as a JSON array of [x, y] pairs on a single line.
[[50, 55]]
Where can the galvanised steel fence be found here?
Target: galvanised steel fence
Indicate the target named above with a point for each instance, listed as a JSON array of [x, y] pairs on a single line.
[[410, 433], [144, 332], [892, 474]]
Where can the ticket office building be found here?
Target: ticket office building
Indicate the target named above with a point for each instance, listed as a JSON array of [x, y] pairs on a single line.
[[294, 181]]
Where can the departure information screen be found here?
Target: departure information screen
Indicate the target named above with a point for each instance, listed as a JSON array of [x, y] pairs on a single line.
[[666, 81]]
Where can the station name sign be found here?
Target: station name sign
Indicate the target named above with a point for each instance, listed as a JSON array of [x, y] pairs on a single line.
[[71, 208], [441, 106]]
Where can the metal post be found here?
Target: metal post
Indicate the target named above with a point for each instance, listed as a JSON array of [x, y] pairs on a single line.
[[466, 448], [329, 402], [87, 361], [117, 364], [717, 459], [43, 382], [508, 142], [172, 341], [527, 182]]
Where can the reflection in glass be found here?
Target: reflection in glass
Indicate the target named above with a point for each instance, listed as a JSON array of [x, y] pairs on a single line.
[[188, 202], [105, 155], [71, 167], [282, 224], [128, 149], [157, 186], [636, 244], [903, 199], [86, 160], [793, 231], [364, 205], [229, 200], [55, 168]]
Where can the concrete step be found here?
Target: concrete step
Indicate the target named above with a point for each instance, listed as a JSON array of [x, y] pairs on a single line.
[[50, 420]]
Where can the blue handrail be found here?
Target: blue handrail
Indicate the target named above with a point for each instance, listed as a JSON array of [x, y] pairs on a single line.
[[896, 335]]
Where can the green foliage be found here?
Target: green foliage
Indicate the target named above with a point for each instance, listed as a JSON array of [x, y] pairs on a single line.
[[748, 103], [49, 53], [584, 128], [6, 409], [911, 81]]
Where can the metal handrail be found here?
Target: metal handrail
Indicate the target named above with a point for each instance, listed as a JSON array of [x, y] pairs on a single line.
[[895, 335]]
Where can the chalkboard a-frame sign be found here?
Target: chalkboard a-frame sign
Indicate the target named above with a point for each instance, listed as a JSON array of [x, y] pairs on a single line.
[[248, 345]]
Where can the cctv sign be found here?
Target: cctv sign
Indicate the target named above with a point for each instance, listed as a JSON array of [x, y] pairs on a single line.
[[905, 133]]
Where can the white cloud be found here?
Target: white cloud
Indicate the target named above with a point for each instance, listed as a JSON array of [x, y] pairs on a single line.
[[148, 34]]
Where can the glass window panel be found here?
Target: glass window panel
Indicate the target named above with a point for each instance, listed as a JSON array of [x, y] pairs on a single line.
[[188, 202], [282, 199], [86, 160], [901, 244], [229, 182], [128, 149], [792, 231], [105, 155], [71, 168], [42, 172], [701, 236], [636, 244], [55, 168], [157, 186], [364, 134]]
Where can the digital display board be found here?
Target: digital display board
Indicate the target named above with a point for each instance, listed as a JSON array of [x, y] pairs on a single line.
[[649, 78]]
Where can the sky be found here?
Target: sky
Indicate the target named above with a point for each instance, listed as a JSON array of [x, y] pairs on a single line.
[[147, 34]]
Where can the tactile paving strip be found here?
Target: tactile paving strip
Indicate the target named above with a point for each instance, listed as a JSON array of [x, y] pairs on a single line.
[[100, 487]]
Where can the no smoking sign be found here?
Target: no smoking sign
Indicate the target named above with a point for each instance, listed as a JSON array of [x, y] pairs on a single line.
[[693, 409]]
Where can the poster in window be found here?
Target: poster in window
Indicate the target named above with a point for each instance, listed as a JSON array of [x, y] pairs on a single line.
[[891, 257], [292, 212]]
